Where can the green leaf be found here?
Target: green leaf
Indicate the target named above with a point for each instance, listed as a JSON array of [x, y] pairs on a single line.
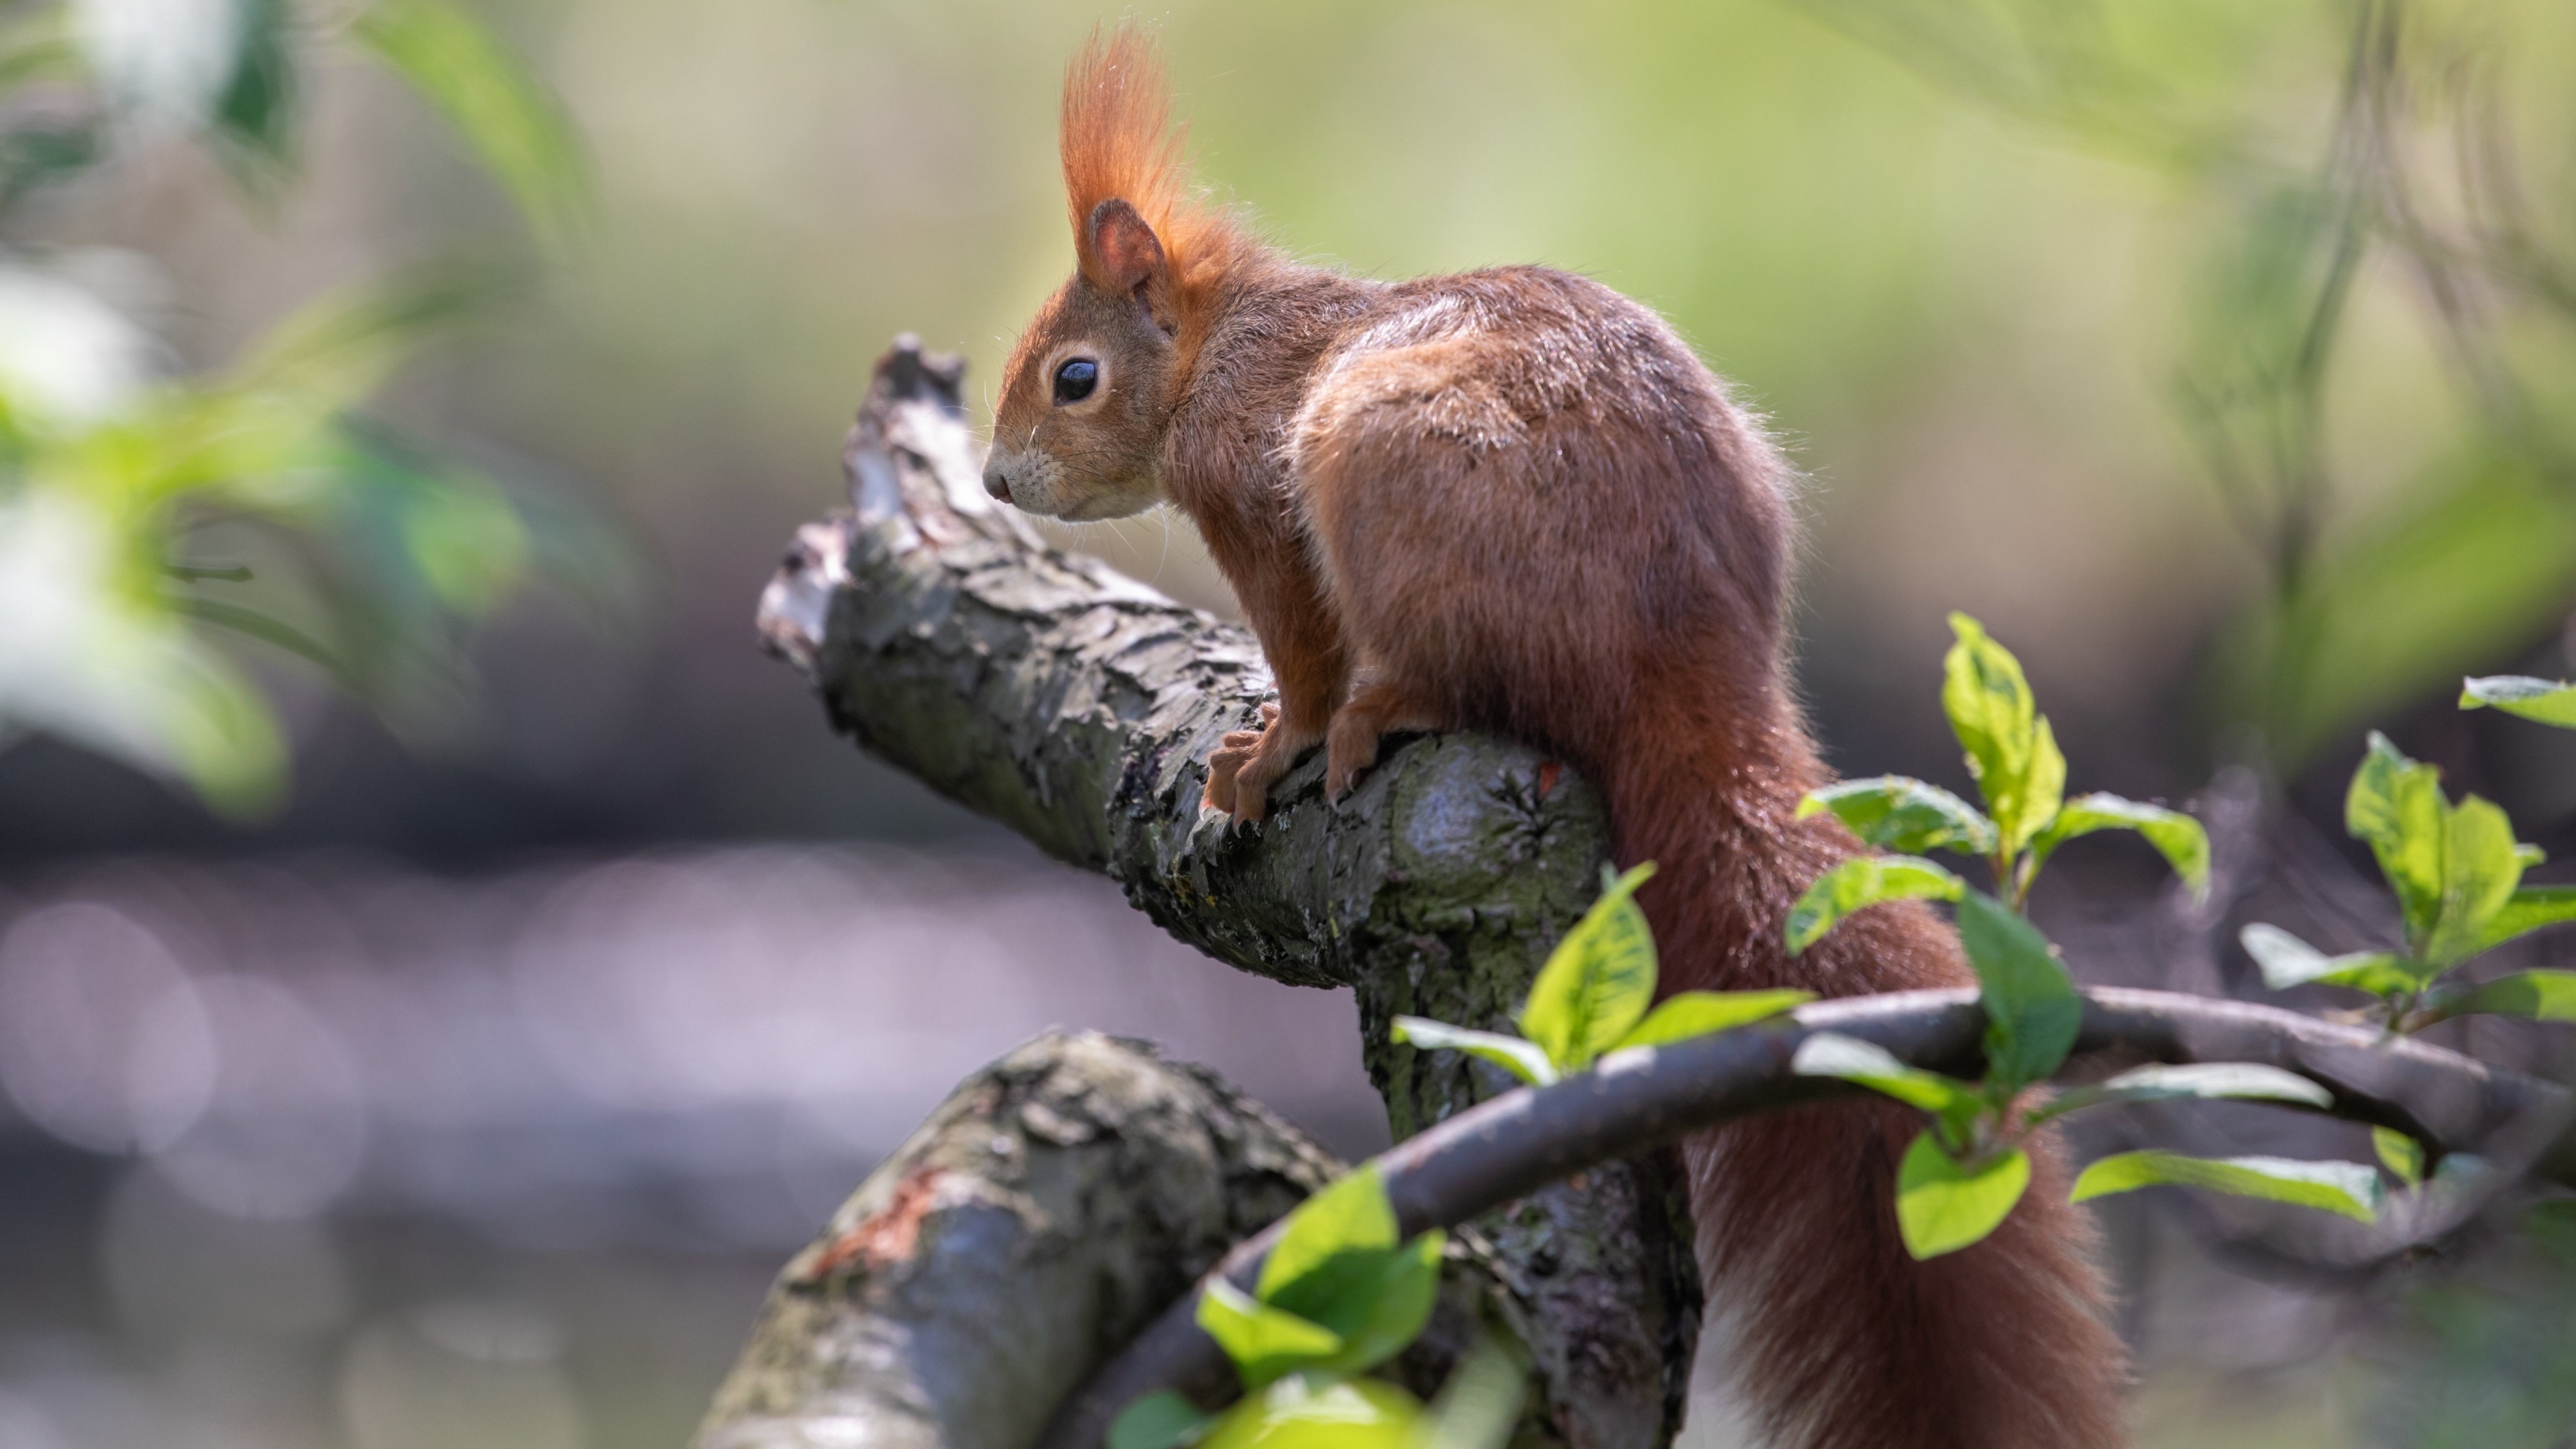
[[118, 670], [2395, 806], [1352, 1214], [2527, 910], [2184, 844], [1865, 880], [1598, 981], [2549, 702], [1380, 1317], [1907, 816], [256, 112], [1304, 1412], [2241, 1081], [2032, 1010], [1943, 1205], [2345, 1188], [2481, 865], [2011, 750], [1480, 1403], [1698, 1013], [2402, 1155], [1829, 1054], [2287, 961], [1159, 1420], [513, 122], [2536, 995], [1526, 1060], [1265, 1343], [1337, 1265], [467, 542]]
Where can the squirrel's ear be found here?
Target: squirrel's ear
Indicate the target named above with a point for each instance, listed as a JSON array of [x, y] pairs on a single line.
[[1130, 254]]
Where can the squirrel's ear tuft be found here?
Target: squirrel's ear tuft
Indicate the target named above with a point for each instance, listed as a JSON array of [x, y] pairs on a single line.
[[1129, 252]]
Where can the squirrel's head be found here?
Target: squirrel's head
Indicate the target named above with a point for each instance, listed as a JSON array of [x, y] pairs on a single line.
[[1091, 386]]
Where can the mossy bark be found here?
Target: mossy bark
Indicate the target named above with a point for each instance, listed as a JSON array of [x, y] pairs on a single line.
[[1079, 707], [1044, 1214]]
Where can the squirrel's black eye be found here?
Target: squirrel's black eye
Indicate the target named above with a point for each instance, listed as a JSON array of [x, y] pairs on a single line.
[[1075, 379]]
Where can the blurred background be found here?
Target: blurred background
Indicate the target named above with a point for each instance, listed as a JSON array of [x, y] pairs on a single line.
[[444, 967]]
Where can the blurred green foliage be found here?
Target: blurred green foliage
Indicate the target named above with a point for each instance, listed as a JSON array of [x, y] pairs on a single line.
[[149, 521], [2424, 184]]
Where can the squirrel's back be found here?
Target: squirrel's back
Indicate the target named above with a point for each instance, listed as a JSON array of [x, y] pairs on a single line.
[[1525, 443]]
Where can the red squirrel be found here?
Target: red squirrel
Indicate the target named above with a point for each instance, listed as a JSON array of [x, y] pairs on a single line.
[[1514, 500]]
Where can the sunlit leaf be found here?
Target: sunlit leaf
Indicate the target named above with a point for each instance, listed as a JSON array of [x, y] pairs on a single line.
[[2402, 1155], [466, 540], [1161, 1420], [2287, 961], [1302, 1413], [2536, 995], [120, 672], [2395, 806], [2545, 700], [1598, 981], [2345, 1188], [1337, 1265], [1864, 880], [2011, 750], [1698, 1013], [1526, 1060], [1830, 1054], [1943, 1205], [2526, 910], [1351, 1214], [513, 122], [1379, 1318], [2032, 1010], [1907, 816], [2481, 865], [2179, 837], [1263, 1341], [2240, 1081]]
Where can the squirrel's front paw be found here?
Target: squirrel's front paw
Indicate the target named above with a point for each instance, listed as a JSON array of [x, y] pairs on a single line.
[[1242, 768], [1225, 773]]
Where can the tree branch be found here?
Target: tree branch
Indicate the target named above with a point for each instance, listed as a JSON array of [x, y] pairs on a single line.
[[1079, 708], [1640, 1099], [1046, 1212]]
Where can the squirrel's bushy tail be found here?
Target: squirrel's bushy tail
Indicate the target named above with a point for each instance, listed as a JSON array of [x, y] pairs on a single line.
[[1834, 1336]]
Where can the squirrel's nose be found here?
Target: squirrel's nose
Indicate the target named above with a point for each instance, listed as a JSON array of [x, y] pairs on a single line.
[[997, 482]]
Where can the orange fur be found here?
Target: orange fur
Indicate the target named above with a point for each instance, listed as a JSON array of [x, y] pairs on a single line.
[[1514, 500], [1118, 143]]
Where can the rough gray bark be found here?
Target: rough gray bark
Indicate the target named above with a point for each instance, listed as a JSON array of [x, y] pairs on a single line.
[[1056, 1203], [1079, 708]]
